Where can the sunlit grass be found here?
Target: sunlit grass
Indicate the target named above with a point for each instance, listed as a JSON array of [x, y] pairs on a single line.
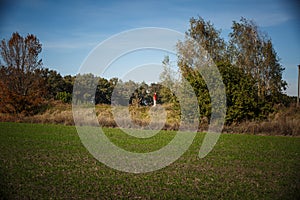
[[48, 161]]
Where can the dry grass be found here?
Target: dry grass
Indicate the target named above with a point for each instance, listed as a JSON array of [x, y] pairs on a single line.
[[284, 122], [60, 113]]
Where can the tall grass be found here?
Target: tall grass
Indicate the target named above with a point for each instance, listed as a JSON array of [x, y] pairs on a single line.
[[286, 121]]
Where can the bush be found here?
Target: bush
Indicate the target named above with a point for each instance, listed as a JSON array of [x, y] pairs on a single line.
[[65, 97]]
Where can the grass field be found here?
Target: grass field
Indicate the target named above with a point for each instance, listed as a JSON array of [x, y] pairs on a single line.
[[48, 161]]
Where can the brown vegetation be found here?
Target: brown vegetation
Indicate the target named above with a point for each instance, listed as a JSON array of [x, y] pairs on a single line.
[[286, 121], [21, 82]]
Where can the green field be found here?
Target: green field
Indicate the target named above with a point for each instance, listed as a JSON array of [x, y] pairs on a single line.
[[48, 161]]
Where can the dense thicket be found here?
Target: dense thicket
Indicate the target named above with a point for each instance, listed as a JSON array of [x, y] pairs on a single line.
[[248, 64]]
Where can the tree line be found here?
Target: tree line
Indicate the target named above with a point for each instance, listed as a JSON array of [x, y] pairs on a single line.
[[248, 64]]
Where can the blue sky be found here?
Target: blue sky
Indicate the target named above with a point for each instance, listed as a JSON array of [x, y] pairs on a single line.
[[69, 30]]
